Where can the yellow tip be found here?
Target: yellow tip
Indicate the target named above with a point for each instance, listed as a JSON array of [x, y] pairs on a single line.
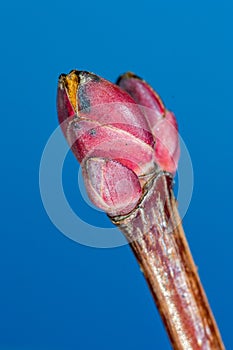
[[71, 84]]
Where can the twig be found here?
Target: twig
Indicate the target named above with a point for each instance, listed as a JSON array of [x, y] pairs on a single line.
[[157, 239]]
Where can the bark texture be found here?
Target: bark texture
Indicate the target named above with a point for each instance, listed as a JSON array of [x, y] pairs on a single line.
[[156, 236]]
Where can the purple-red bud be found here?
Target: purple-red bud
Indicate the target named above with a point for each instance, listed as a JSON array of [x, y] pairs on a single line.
[[101, 120], [120, 135], [111, 186], [162, 122]]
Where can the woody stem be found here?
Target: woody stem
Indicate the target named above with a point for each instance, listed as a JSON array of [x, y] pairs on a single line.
[[157, 239]]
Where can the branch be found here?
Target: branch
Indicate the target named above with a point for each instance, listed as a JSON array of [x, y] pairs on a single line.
[[157, 239]]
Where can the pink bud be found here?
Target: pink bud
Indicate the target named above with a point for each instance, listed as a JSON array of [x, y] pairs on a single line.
[[162, 122], [141, 92], [107, 122], [111, 186], [118, 136], [95, 98]]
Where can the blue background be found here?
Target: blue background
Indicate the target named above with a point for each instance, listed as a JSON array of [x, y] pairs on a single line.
[[55, 293]]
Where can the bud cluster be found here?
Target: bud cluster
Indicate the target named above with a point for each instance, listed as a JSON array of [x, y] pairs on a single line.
[[120, 133]]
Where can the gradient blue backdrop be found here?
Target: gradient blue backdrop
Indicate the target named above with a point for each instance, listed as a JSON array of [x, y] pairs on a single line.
[[55, 293]]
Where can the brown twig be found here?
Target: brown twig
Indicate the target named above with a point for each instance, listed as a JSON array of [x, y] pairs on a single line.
[[157, 239]]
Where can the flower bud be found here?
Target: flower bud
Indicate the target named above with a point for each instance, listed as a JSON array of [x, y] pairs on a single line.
[[111, 186], [161, 122], [120, 135], [101, 120], [92, 97]]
